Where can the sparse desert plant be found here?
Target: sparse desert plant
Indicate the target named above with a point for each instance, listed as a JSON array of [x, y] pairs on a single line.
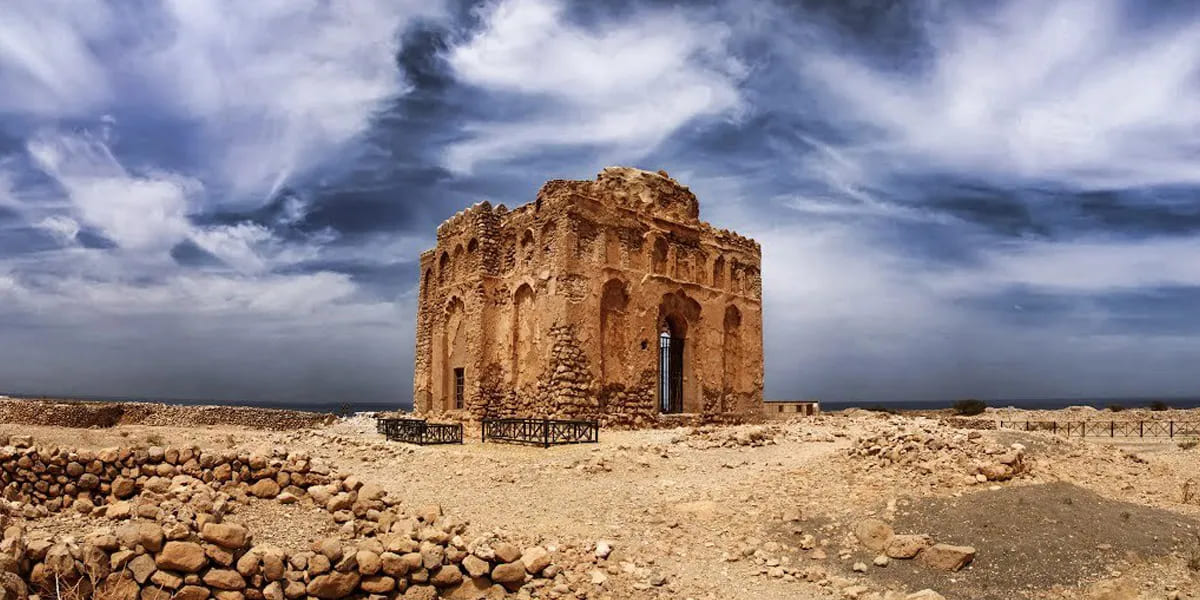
[[1188, 444], [1189, 491], [1158, 405], [881, 409], [1114, 407], [969, 407], [230, 441], [155, 439]]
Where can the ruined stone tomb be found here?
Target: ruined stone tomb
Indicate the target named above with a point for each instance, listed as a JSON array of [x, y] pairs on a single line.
[[606, 299]]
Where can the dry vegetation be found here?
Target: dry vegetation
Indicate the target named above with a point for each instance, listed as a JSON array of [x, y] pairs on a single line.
[[863, 505]]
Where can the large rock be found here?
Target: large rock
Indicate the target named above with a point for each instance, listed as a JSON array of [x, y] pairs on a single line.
[[123, 487], [191, 592], [147, 535], [925, 594], [475, 566], [907, 545], [142, 567], [333, 585], [947, 557], [535, 559], [264, 488], [224, 579], [226, 535], [509, 573], [377, 584], [118, 586], [507, 552], [182, 556], [368, 562], [446, 576], [873, 533]]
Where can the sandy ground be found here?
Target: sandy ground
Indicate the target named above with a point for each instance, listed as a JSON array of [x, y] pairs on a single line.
[[690, 518]]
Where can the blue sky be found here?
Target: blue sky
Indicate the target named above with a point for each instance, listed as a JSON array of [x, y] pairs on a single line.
[[226, 199]]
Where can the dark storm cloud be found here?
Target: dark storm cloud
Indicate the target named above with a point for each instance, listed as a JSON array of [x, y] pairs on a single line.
[[992, 198]]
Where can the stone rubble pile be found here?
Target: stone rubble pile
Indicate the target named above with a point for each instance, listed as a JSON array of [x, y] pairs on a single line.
[[878, 536], [81, 414], [162, 532], [925, 448], [706, 437]]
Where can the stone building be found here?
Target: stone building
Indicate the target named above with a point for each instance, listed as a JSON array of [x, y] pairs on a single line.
[[605, 299]]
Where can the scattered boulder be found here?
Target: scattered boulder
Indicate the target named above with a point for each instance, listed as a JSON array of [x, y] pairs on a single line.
[[873, 533], [946, 557]]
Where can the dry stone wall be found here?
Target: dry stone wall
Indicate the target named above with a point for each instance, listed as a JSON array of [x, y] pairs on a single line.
[[164, 529], [560, 307]]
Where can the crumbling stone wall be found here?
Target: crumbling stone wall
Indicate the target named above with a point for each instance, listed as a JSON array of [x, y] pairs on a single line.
[[556, 308], [164, 529]]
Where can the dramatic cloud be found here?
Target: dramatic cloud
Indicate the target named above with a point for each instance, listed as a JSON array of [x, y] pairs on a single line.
[[227, 199], [622, 87]]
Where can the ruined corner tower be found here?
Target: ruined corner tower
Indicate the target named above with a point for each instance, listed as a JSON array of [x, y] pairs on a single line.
[[605, 299]]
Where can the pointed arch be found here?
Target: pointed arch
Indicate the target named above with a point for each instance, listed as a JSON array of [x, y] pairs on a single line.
[[525, 335], [718, 273], [614, 300], [731, 356], [658, 256], [443, 266], [455, 356]]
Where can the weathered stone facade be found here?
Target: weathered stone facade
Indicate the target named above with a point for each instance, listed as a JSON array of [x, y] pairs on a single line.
[[603, 299]]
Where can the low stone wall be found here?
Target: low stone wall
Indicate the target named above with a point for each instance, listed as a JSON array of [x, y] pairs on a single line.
[[161, 532], [84, 414]]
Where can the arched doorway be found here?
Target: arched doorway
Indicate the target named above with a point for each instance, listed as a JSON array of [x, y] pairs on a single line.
[[670, 367]]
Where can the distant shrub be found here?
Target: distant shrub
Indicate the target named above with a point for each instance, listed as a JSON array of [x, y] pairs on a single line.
[[1159, 405], [1115, 407], [969, 407], [1188, 444], [881, 409]]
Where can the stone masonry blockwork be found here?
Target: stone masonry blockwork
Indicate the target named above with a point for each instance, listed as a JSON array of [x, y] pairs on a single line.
[[606, 299]]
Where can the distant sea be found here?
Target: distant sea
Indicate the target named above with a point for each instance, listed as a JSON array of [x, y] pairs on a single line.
[[1026, 403], [826, 405]]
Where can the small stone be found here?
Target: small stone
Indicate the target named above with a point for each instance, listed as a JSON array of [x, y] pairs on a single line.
[[881, 561], [860, 567]]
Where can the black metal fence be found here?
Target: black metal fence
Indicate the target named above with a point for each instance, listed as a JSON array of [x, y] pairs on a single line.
[[1112, 428], [540, 432], [417, 431]]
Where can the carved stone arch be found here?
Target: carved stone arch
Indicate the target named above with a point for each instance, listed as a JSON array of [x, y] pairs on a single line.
[[659, 252], [731, 356], [718, 272], [549, 233], [472, 245], [614, 350], [456, 259], [527, 246], [443, 266], [678, 316], [427, 282], [525, 336], [455, 355]]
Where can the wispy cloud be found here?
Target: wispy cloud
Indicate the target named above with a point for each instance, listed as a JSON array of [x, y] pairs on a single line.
[[1065, 93], [621, 86]]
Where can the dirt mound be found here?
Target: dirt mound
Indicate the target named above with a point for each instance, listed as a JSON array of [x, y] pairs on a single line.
[[1035, 537], [82, 414]]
